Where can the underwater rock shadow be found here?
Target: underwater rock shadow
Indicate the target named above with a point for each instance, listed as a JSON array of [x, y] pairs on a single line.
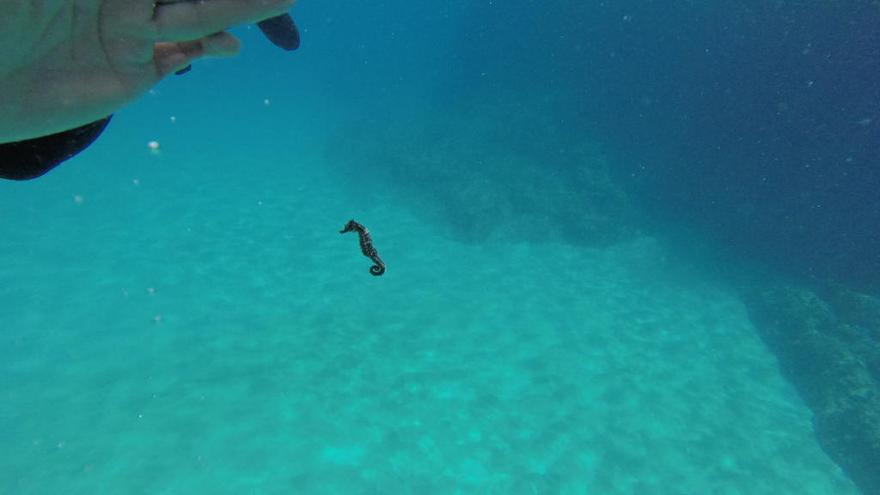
[[487, 173]]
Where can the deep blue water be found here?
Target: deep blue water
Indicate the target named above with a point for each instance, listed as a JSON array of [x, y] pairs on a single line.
[[762, 113]]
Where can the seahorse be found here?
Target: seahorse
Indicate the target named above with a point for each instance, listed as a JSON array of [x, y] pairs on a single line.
[[367, 248]]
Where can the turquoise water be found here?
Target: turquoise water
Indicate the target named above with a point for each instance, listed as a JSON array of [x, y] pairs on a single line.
[[197, 331], [189, 320]]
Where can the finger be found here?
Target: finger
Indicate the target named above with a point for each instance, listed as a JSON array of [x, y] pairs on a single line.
[[221, 44], [180, 21], [173, 56]]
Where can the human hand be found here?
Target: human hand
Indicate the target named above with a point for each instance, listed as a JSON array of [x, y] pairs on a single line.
[[65, 63]]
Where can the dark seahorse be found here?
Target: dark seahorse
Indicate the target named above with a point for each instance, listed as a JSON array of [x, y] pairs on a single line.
[[367, 248]]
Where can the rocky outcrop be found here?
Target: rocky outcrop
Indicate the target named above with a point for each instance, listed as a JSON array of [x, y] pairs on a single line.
[[828, 348], [490, 171]]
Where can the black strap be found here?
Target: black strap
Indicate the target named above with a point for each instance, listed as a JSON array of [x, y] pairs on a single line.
[[32, 158]]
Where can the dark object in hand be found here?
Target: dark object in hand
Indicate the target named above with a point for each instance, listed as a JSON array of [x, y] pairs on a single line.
[[183, 70], [367, 248], [281, 31]]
